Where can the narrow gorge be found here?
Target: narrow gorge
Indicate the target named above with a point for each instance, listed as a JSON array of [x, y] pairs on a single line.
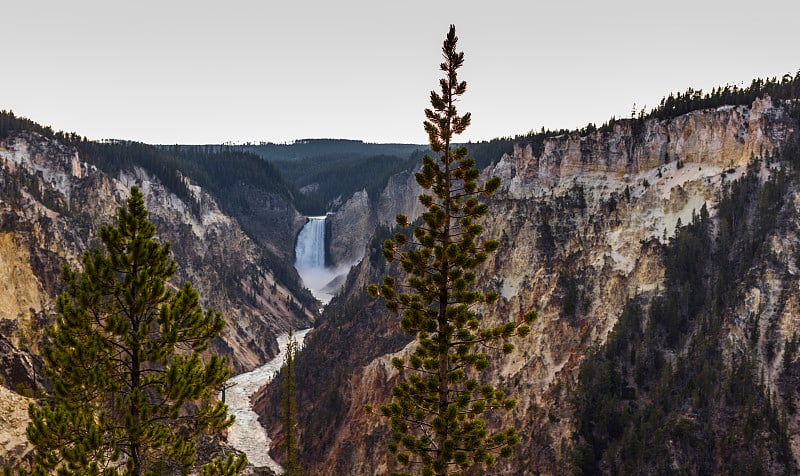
[[247, 435]]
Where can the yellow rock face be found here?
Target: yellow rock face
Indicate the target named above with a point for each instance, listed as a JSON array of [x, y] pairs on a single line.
[[13, 420], [21, 293]]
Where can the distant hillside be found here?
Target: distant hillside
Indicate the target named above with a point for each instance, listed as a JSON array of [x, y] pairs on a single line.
[[245, 187], [327, 171], [305, 148], [325, 181]]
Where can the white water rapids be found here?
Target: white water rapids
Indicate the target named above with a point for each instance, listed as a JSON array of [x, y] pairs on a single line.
[[246, 434]]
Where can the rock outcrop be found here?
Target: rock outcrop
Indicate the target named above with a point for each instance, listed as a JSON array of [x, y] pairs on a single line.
[[14, 447], [53, 205], [723, 138]]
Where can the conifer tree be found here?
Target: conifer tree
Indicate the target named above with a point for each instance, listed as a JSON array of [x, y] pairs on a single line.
[[289, 411], [436, 412], [132, 384]]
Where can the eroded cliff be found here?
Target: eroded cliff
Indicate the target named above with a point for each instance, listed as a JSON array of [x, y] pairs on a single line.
[[356, 220], [582, 221], [54, 204]]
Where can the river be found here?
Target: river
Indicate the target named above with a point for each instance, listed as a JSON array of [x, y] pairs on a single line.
[[246, 434]]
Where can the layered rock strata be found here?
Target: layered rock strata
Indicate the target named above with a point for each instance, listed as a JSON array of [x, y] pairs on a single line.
[[53, 204], [580, 221]]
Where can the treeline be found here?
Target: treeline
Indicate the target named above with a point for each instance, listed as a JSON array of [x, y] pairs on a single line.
[[219, 169], [9, 122], [788, 87], [488, 152], [342, 167], [211, 168], [214, 168], [306, 148], [674, 105], [660, 397]]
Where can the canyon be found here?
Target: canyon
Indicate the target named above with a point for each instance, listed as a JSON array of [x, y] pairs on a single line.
[[246, 434], [585, 221], [52, 204]]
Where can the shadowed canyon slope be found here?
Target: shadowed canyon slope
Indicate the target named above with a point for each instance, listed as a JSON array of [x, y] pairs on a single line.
[[52, 204]]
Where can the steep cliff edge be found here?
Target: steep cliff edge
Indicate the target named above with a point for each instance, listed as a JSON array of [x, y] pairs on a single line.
[[53, 204], [582, 222]]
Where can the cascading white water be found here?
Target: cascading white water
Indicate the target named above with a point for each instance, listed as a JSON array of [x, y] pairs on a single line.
[[310, 247], [310, 259], [323, 281]]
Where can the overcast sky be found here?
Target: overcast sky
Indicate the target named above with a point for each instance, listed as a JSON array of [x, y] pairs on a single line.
[[175, 71]]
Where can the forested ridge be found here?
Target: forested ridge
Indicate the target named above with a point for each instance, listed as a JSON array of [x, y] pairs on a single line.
[[213, 168], [334, 168], [305, 148], [327, 180], [671, 106]]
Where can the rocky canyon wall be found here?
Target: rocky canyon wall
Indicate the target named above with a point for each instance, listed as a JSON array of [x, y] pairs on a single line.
[[356, 220], [53, 205], [581, 221]]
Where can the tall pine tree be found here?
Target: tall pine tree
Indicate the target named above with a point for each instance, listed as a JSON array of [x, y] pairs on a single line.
[[289, 411], [132, 385], [436, 413]]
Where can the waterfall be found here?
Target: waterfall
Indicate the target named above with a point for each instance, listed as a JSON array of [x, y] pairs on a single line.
[[310, 260], [310, 247]]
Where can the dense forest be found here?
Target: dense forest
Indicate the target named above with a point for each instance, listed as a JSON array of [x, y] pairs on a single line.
[[305, 148], [213, 168], [329, 170], [322, 180]]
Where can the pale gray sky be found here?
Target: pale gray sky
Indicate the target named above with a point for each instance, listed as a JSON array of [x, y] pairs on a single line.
[[176, 71]]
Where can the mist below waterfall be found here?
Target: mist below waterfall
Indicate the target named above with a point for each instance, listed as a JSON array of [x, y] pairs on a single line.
[[310, 261]]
